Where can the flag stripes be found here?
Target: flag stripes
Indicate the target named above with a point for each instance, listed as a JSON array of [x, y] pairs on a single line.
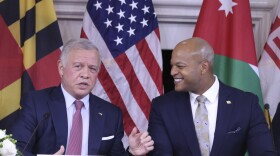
[[115, 97], [143, 66], [271, 53], [151, 64], [135, 86]]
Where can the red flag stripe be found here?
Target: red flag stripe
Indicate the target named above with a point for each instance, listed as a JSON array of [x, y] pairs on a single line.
[[150, 63], [277, 41], [275, 25], [157, 33], [272, 54]]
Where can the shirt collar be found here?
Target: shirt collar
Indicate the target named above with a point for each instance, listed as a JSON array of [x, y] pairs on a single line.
[[69, 99], [210, 94]]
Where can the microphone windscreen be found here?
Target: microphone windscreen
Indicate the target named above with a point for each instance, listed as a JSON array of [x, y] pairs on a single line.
[[266, 106]]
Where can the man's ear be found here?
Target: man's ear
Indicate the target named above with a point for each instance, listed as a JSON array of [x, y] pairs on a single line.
[[60, 68], [204, 66]]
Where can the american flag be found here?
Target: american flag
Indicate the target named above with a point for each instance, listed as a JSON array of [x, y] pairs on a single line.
[[127, 35]]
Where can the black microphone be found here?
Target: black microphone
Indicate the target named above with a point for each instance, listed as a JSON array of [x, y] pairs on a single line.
[[45, 116]]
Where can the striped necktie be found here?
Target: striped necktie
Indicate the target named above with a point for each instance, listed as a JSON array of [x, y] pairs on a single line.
[[76, 133]]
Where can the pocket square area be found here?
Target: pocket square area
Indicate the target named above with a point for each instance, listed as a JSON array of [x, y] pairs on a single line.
[[108, 137], [235, 131]]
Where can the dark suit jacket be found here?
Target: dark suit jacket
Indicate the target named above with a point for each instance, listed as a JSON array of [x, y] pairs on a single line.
[[52, 131], [240, 126], [276, 129]]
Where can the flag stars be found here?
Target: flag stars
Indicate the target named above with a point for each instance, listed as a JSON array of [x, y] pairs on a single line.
[[146, 9], [110, 9], [144, 22], [133, 5], [227, 6], [131, 31], [108, 23], [120, 27], [121, 14], [98, 5], [132, 18], [118, 40], [122, 2]]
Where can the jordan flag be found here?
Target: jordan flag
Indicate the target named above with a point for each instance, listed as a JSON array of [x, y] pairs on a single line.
[[227, 26]]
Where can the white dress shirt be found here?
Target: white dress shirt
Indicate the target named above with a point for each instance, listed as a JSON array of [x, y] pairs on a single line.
[[71, 109], [211, 105]]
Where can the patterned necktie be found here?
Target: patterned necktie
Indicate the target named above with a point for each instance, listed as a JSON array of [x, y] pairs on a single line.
[[75, 141], [201, 126]]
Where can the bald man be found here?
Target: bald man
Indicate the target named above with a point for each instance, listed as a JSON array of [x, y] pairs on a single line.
[[232, 120]]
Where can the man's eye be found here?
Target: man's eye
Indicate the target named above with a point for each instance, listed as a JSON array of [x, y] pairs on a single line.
[[77, 66], [180, 67], [93, 69]]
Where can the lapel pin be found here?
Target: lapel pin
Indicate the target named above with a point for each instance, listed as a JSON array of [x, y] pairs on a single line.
[[228, 102], [100, 113]]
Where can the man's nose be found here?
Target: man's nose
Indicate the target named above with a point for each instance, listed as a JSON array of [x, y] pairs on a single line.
[[173, 71], [85, 73]]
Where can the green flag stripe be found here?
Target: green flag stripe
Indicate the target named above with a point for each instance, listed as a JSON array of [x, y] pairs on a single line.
[[238, 74]]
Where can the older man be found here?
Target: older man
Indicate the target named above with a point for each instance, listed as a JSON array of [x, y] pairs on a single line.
[[70, 116]]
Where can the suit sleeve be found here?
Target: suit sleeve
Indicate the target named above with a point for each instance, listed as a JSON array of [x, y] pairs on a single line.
[[24, 126], [276, 129], [259, 139], [158, 132]]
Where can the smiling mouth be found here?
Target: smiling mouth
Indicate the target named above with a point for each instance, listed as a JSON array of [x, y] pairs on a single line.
[[177, 80]]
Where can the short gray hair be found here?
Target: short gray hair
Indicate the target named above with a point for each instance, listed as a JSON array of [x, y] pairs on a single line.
[[76, 44]]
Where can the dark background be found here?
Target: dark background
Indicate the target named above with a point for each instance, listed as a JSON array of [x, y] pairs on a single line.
[[167, 78]]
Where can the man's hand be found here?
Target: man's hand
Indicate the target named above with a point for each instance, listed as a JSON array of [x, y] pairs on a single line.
[[140, 143], [60, 151]]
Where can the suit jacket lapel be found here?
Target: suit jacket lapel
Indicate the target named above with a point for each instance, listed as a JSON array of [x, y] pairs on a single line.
[[225, 107], [186, 121], [59, 116], [96, 124]]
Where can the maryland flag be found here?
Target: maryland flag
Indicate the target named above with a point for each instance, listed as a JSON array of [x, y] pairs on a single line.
[[29, 49]]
